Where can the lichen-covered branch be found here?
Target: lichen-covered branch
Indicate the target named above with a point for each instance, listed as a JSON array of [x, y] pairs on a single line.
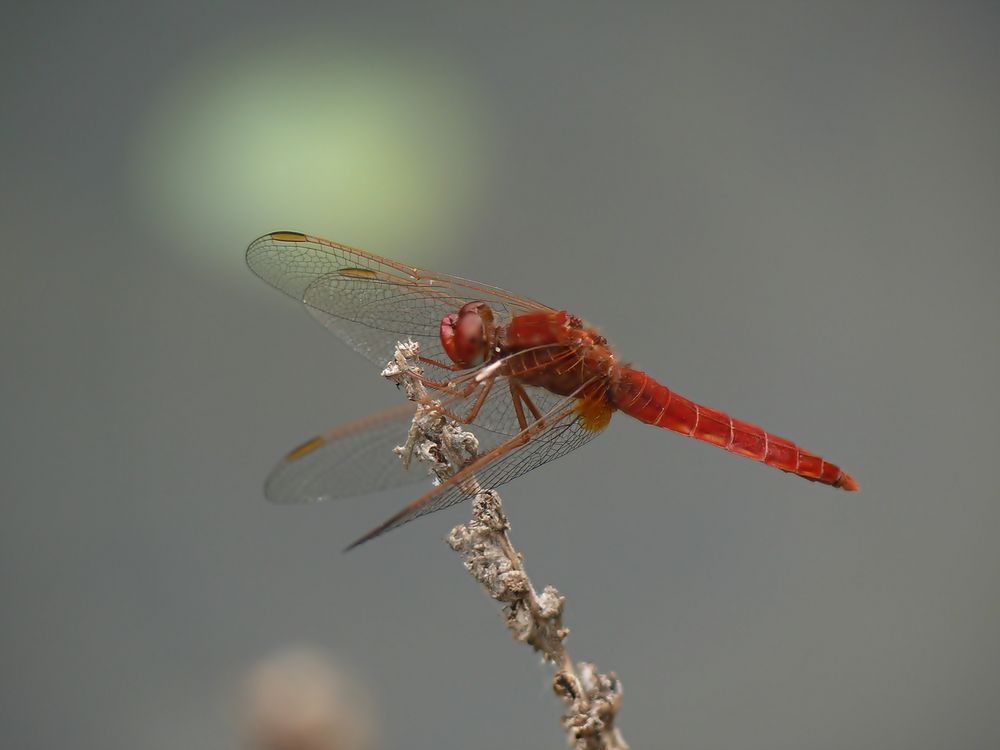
[[592, 699]]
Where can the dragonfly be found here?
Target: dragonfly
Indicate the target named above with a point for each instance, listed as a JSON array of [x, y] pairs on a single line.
[[536, 381]]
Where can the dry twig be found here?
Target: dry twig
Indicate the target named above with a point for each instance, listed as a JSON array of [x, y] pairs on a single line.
[[592, 699]]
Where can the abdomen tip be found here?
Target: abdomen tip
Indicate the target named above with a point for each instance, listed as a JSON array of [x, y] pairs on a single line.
[[847, 483]]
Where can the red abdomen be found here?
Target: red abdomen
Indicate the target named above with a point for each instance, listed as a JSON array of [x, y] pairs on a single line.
[[639, 396]]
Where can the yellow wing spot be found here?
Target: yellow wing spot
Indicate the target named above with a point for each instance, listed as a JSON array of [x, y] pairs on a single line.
[[594, 413], [306, 448], [358, 273], [289, 236]]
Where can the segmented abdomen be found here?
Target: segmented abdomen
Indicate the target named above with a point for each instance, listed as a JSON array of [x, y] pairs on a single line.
[[640, 396]]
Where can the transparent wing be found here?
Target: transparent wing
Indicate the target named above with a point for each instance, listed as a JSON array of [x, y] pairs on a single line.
[[358, 458], [369, 301], [372, 303], [347, 461], [558, 432]]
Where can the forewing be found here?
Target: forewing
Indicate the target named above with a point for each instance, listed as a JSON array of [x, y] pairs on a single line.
[[369, 301], [347, 461], [559, 431]]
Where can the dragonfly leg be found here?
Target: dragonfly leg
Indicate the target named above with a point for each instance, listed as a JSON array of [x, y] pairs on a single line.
[[515, 396], [476, 407], [441, 365], [446, 385], [518, 393]]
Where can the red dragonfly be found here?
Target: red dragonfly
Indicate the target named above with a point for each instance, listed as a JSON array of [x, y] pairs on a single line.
[[536, 381]]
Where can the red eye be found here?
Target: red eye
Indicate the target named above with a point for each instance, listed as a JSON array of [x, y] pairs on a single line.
[[463, 335]]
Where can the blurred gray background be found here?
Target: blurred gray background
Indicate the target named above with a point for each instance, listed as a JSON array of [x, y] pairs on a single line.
[[786, 210]]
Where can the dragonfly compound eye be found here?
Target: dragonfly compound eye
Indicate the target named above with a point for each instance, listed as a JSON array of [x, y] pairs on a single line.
[[463, 335]]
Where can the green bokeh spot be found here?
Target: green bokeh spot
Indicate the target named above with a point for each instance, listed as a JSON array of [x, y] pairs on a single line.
[[373, 150]]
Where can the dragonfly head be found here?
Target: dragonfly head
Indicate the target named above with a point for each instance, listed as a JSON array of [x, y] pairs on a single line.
[[464, 334]]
